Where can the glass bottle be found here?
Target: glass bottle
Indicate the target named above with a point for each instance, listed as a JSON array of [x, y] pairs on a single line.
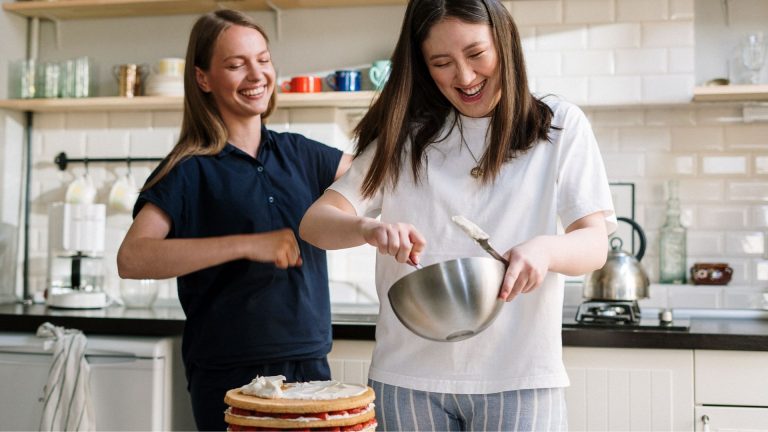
[[672, 241]]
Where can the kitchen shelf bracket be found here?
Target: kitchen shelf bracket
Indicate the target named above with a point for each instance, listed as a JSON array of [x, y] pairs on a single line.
[[61, 160]]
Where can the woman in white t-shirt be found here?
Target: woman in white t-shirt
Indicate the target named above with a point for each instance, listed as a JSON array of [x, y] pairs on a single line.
[[456, 131]]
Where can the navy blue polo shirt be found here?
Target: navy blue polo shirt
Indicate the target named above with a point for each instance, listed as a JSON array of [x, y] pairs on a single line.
[[245, 312]]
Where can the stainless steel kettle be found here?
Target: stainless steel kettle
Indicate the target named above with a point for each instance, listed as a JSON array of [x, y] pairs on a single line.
[[622, 277]]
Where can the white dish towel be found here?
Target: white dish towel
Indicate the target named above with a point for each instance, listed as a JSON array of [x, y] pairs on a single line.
[[67, 403]]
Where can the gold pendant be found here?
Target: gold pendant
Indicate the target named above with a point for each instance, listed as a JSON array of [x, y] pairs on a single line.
[[476, 172]]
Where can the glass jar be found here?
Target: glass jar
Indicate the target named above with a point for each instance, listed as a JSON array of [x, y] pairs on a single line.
[[672, 241]]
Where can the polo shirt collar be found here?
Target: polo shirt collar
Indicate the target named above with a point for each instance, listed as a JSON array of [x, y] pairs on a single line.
[[266, 140]]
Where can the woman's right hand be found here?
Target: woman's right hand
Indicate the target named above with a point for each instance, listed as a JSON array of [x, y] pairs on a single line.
[[400, 240], [279, 247]]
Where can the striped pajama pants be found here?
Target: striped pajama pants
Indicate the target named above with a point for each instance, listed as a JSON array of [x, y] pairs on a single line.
[[402, 409]]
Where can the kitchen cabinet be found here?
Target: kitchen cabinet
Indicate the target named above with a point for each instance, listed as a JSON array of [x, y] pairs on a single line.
[[79, 9], [731, 390], [629, 389]]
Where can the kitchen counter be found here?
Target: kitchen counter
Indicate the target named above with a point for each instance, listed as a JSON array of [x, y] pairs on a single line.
[[357, 322]]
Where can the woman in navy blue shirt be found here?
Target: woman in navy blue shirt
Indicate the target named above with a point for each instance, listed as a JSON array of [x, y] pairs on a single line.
[[221, 214]]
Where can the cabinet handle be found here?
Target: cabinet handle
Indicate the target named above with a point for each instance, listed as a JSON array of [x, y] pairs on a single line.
[[705, 422]]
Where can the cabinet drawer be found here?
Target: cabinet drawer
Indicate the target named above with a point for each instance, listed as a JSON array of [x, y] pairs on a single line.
[[729, 419], [731, 378]]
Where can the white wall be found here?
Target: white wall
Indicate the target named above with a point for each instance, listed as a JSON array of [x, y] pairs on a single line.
[[627, 53]]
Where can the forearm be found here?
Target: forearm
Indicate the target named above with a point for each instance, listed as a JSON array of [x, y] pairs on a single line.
[[577, 252], [148, 258], [329, 227]]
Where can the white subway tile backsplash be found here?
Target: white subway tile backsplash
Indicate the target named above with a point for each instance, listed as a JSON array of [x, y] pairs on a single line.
[[641, 10], [740, 243], [667, 34], [528, 38], [748, 191], [561, 38], [681, 10], [718, 165], [150, 143], [645, 139], [705, 191], [761, 165], [759, 216], [86, 120], [761, 271], [701, 138], [719, 115], [664, 166], [742, 298], [688, 296], [747, 136], [543, 64], [129, 120], [607, 139], [167, 119], [593, 62], [615, 90], [618, 117], [681, 60], [722, 218], [588, 11], [54, 142], [668, 88], [641, 61], [618, 35], [670, 117], [624, 165], [106, 143], [529, 12], [573, 90], [49, 121]]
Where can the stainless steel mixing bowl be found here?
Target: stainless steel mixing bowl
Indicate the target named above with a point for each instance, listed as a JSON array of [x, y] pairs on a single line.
[[449, 301]]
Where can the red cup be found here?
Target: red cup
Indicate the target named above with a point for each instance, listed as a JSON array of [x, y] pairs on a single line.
[[303, 84]]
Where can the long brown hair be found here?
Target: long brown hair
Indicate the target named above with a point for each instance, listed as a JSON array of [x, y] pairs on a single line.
[[203, 131], [411, 105]]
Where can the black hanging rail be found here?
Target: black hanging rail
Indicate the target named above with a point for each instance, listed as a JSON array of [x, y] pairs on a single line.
[[62, 160]]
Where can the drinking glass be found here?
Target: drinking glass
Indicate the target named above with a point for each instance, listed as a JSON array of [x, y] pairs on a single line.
[[753, 54]]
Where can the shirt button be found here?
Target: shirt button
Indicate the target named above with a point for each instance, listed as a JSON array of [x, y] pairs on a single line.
[[271, 199], [260, 169]]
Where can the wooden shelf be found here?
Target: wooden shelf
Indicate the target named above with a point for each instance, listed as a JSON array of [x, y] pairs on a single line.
[[731, 93], [174, 103], [82, 9]]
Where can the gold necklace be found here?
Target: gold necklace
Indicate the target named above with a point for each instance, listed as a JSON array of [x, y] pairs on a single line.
[[476, 171]]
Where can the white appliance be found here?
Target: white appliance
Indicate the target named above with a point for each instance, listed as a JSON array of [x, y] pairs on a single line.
[[132, 383], [75, 256]]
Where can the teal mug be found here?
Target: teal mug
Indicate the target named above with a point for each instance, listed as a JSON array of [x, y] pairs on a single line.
[[379, 73]]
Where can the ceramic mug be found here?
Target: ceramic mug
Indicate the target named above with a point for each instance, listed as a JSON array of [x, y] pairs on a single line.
[[344, 80], [123, 194], [170, 66], [81, 190], [302, 84], [379, 73]]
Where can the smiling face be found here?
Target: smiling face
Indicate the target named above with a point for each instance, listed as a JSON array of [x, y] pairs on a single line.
[[463, 62], [241, 77]]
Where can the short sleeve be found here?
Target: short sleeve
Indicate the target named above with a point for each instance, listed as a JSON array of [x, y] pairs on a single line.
[[582, 181], [322, 159], [169, 194], [350, 183]]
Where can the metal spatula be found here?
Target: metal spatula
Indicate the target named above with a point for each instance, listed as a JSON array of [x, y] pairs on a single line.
[[478, 235]]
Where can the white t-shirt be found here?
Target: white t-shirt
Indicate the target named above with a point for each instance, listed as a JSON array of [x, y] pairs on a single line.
[[559, 181]]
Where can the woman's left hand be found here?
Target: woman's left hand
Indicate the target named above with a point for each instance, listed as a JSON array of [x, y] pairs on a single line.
[[528, 264]]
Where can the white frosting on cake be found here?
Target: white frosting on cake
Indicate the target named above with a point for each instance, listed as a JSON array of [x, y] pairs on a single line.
[[270, 387], [321, 390]]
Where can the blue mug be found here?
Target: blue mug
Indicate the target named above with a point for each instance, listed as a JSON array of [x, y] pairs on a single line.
[[344, 80]]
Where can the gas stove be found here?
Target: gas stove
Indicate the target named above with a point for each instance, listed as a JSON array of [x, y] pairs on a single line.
[[621, 315]]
